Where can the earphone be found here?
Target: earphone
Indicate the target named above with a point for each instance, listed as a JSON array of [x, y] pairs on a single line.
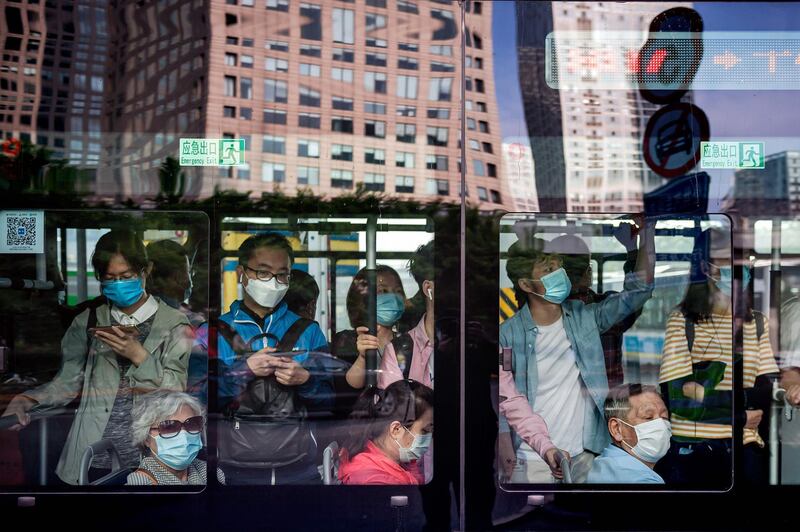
[[430, 296]]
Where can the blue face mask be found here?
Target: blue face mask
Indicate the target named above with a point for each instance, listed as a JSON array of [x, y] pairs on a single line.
[[725, 282], [123, 293], [556, 286], [179, 451], [390, 308], [417, 449]]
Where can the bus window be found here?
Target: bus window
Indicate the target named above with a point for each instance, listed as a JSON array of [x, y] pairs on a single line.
[[99, 371], [632, 384], [303, 395]]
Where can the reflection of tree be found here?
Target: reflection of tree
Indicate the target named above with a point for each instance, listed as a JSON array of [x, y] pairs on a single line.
[[34, 172], [171, 178]]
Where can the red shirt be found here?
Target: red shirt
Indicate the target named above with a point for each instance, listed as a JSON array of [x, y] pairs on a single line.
[[372, 466]]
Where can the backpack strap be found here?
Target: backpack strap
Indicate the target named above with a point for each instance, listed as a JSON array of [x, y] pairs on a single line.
[[403, 345], [233, 338], [759, 317], [689, 328], [293, 334]]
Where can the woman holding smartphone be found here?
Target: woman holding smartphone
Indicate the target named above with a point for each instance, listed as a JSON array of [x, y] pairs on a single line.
[[131, 344]]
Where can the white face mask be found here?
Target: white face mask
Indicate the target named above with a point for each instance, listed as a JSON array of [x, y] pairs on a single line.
[[266, 293], [653, 439]]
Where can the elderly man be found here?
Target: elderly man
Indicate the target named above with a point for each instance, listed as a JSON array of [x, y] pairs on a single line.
[[638, 423]]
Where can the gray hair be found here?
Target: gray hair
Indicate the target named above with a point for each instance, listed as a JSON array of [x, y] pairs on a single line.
[[618, 401], [156, 406]]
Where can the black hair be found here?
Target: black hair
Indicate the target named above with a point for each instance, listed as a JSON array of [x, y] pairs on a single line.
[[521, 259], [119, 242], [167, 257], [421, 264], [404, 401], [265, 240], [303, 289], [356, 301]]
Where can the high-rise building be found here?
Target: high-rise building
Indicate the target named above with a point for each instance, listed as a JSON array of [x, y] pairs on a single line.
[[326, 94], [774, 189], [586, 141], [518, 170], [53, 95]]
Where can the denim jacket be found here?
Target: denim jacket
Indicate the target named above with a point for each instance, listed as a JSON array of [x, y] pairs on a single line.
[[583, 323]]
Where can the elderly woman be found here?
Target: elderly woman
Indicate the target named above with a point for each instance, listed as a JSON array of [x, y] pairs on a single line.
[[168, 427]]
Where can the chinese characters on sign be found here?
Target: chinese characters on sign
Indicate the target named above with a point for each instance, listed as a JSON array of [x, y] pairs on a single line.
[[212, 152], [615, 60], [732, 155]]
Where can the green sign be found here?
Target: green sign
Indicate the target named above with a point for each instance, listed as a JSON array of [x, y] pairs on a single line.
[[212, 152], [738, 155]]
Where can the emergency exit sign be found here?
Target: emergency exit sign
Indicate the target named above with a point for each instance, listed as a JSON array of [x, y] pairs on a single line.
[[738, 155], [212, 152]]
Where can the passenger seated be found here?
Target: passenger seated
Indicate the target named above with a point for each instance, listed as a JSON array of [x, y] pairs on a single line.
[[392, 429], [559, 341], [302, 295], [168, 427], [111, 355], [638, 423]]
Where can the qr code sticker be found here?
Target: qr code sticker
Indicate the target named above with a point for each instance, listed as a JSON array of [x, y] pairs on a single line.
[[21, 231]]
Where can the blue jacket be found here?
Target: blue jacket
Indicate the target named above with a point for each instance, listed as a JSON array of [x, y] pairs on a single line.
[[234, 375], [583, 323], [615, 466]]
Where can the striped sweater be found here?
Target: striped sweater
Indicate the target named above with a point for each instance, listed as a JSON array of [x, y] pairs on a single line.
[[712, 355]]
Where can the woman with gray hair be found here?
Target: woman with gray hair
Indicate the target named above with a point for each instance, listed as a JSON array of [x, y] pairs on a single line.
[[168, 426]]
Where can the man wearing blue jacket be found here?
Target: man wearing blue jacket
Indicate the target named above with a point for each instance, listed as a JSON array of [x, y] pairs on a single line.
[[257, 323]]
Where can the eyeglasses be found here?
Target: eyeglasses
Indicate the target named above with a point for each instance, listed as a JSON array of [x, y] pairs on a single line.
[[171, 427], [266, 275]]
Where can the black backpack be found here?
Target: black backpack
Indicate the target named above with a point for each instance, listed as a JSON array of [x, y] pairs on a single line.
[[265, 426], [404, 351]]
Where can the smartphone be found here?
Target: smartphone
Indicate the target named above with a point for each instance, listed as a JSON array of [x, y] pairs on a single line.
[[129, 330]]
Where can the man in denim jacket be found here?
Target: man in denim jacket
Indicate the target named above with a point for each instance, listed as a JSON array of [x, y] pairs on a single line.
[[553, 397]]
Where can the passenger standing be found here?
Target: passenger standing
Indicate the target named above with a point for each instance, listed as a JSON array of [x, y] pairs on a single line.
[[267, 438], [99, 356], [697, 375], [559, 372]]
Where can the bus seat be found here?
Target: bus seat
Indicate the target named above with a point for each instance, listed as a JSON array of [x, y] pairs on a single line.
[[330, 464]]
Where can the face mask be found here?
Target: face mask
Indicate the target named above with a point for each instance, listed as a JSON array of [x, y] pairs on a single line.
[[556, 286], [123, 293], [725, 282], [653, 439], [390, 308], [179, 451], [418, 447], [266, 293]]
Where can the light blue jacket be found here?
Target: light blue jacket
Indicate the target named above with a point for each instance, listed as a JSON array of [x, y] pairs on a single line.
[[583, 323], [615, 466]]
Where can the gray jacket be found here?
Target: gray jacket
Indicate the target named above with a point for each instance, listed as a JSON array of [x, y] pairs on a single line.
[[93, 371]]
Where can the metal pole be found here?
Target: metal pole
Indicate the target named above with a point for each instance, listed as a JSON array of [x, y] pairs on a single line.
[[774, 446], [462, 285], [82, 290], [43, 451], [775, 287], [372, 296]]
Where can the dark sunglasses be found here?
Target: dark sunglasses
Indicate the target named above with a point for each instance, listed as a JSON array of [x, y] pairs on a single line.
[[171, 427]]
